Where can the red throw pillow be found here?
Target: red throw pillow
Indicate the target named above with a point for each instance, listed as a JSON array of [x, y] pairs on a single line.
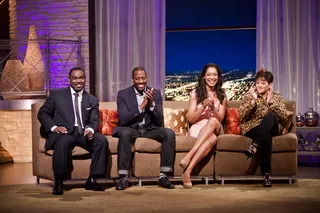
[[232, 121], [108, 120]]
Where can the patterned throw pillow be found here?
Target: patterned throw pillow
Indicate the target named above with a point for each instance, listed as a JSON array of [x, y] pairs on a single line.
[[176, 119], [232, 121], [108, 120]]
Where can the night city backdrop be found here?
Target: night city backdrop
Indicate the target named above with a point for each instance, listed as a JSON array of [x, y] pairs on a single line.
[[224, 34]]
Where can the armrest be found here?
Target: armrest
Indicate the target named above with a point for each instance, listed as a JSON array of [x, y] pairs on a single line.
[[35, 127]]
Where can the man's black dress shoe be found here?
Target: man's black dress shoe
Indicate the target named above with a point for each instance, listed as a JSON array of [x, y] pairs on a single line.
[[57, 188], [122, 184], [91, 184], [165, 183]]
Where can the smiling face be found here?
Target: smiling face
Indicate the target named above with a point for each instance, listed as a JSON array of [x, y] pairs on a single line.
[[211, 77], [262, 86], [139, 80], [77, 80]]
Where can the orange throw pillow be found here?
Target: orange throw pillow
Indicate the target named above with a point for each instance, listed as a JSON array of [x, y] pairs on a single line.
[[232, 121], [108, 120]]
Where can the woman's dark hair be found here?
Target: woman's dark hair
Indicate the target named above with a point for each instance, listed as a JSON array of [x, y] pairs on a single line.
[[267, 75], [201, 90]]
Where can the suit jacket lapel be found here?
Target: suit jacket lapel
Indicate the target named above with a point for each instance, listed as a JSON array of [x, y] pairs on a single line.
[[69, 100], [133, 98], [84, 101]]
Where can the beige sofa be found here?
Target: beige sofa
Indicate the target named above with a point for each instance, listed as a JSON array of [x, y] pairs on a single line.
[[229, 160]]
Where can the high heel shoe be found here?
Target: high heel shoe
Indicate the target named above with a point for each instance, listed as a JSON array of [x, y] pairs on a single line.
[[186, 185], [267, 182], [251, 150], [183, 165]]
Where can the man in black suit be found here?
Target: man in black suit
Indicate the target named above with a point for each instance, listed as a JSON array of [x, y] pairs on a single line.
[[70, 117], [141, 115]]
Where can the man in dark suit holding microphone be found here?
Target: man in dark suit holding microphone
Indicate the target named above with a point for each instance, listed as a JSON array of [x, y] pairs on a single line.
[[70, 117], [140, 113]]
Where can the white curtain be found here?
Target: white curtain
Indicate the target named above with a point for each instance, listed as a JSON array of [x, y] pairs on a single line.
[[288, 44], [129, 34]]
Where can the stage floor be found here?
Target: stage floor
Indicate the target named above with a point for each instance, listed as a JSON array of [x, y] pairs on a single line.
[[21, 173]]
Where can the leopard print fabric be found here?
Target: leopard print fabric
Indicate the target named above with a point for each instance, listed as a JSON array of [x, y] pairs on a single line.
[[251, 115]]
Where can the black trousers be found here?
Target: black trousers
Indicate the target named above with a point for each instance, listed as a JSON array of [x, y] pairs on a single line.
[[127, 137], [262, 136], [62, 153]]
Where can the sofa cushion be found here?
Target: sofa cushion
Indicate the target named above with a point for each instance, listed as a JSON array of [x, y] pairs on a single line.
[[113, 144], [176, 119], [285, 143], [232, 121], [108, 120], [183, 144], [232, 142], [238, 143]]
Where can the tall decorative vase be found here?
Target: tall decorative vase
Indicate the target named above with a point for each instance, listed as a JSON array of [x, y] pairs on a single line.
[[14, 78], [33, 62]]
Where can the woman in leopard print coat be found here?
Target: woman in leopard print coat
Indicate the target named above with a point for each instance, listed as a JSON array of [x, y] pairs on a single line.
[[260, 112]]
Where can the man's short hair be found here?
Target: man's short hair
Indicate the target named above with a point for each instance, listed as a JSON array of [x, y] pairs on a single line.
[[138, 68], [76, 68]]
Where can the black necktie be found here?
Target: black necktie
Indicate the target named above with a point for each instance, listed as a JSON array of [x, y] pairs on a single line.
[[76, 105]]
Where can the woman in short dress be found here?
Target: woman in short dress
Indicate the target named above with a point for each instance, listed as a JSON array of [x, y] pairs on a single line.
[[206, 111]]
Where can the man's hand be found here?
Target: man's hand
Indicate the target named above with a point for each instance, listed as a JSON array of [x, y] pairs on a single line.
[[89, 134], [150, 95], [148, 98], [144, 103], [60, 129]]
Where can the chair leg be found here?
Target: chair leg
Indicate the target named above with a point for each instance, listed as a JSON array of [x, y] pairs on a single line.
[[290, 180], [222, 181], [139, 182], [207, 181], [38, 180]]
